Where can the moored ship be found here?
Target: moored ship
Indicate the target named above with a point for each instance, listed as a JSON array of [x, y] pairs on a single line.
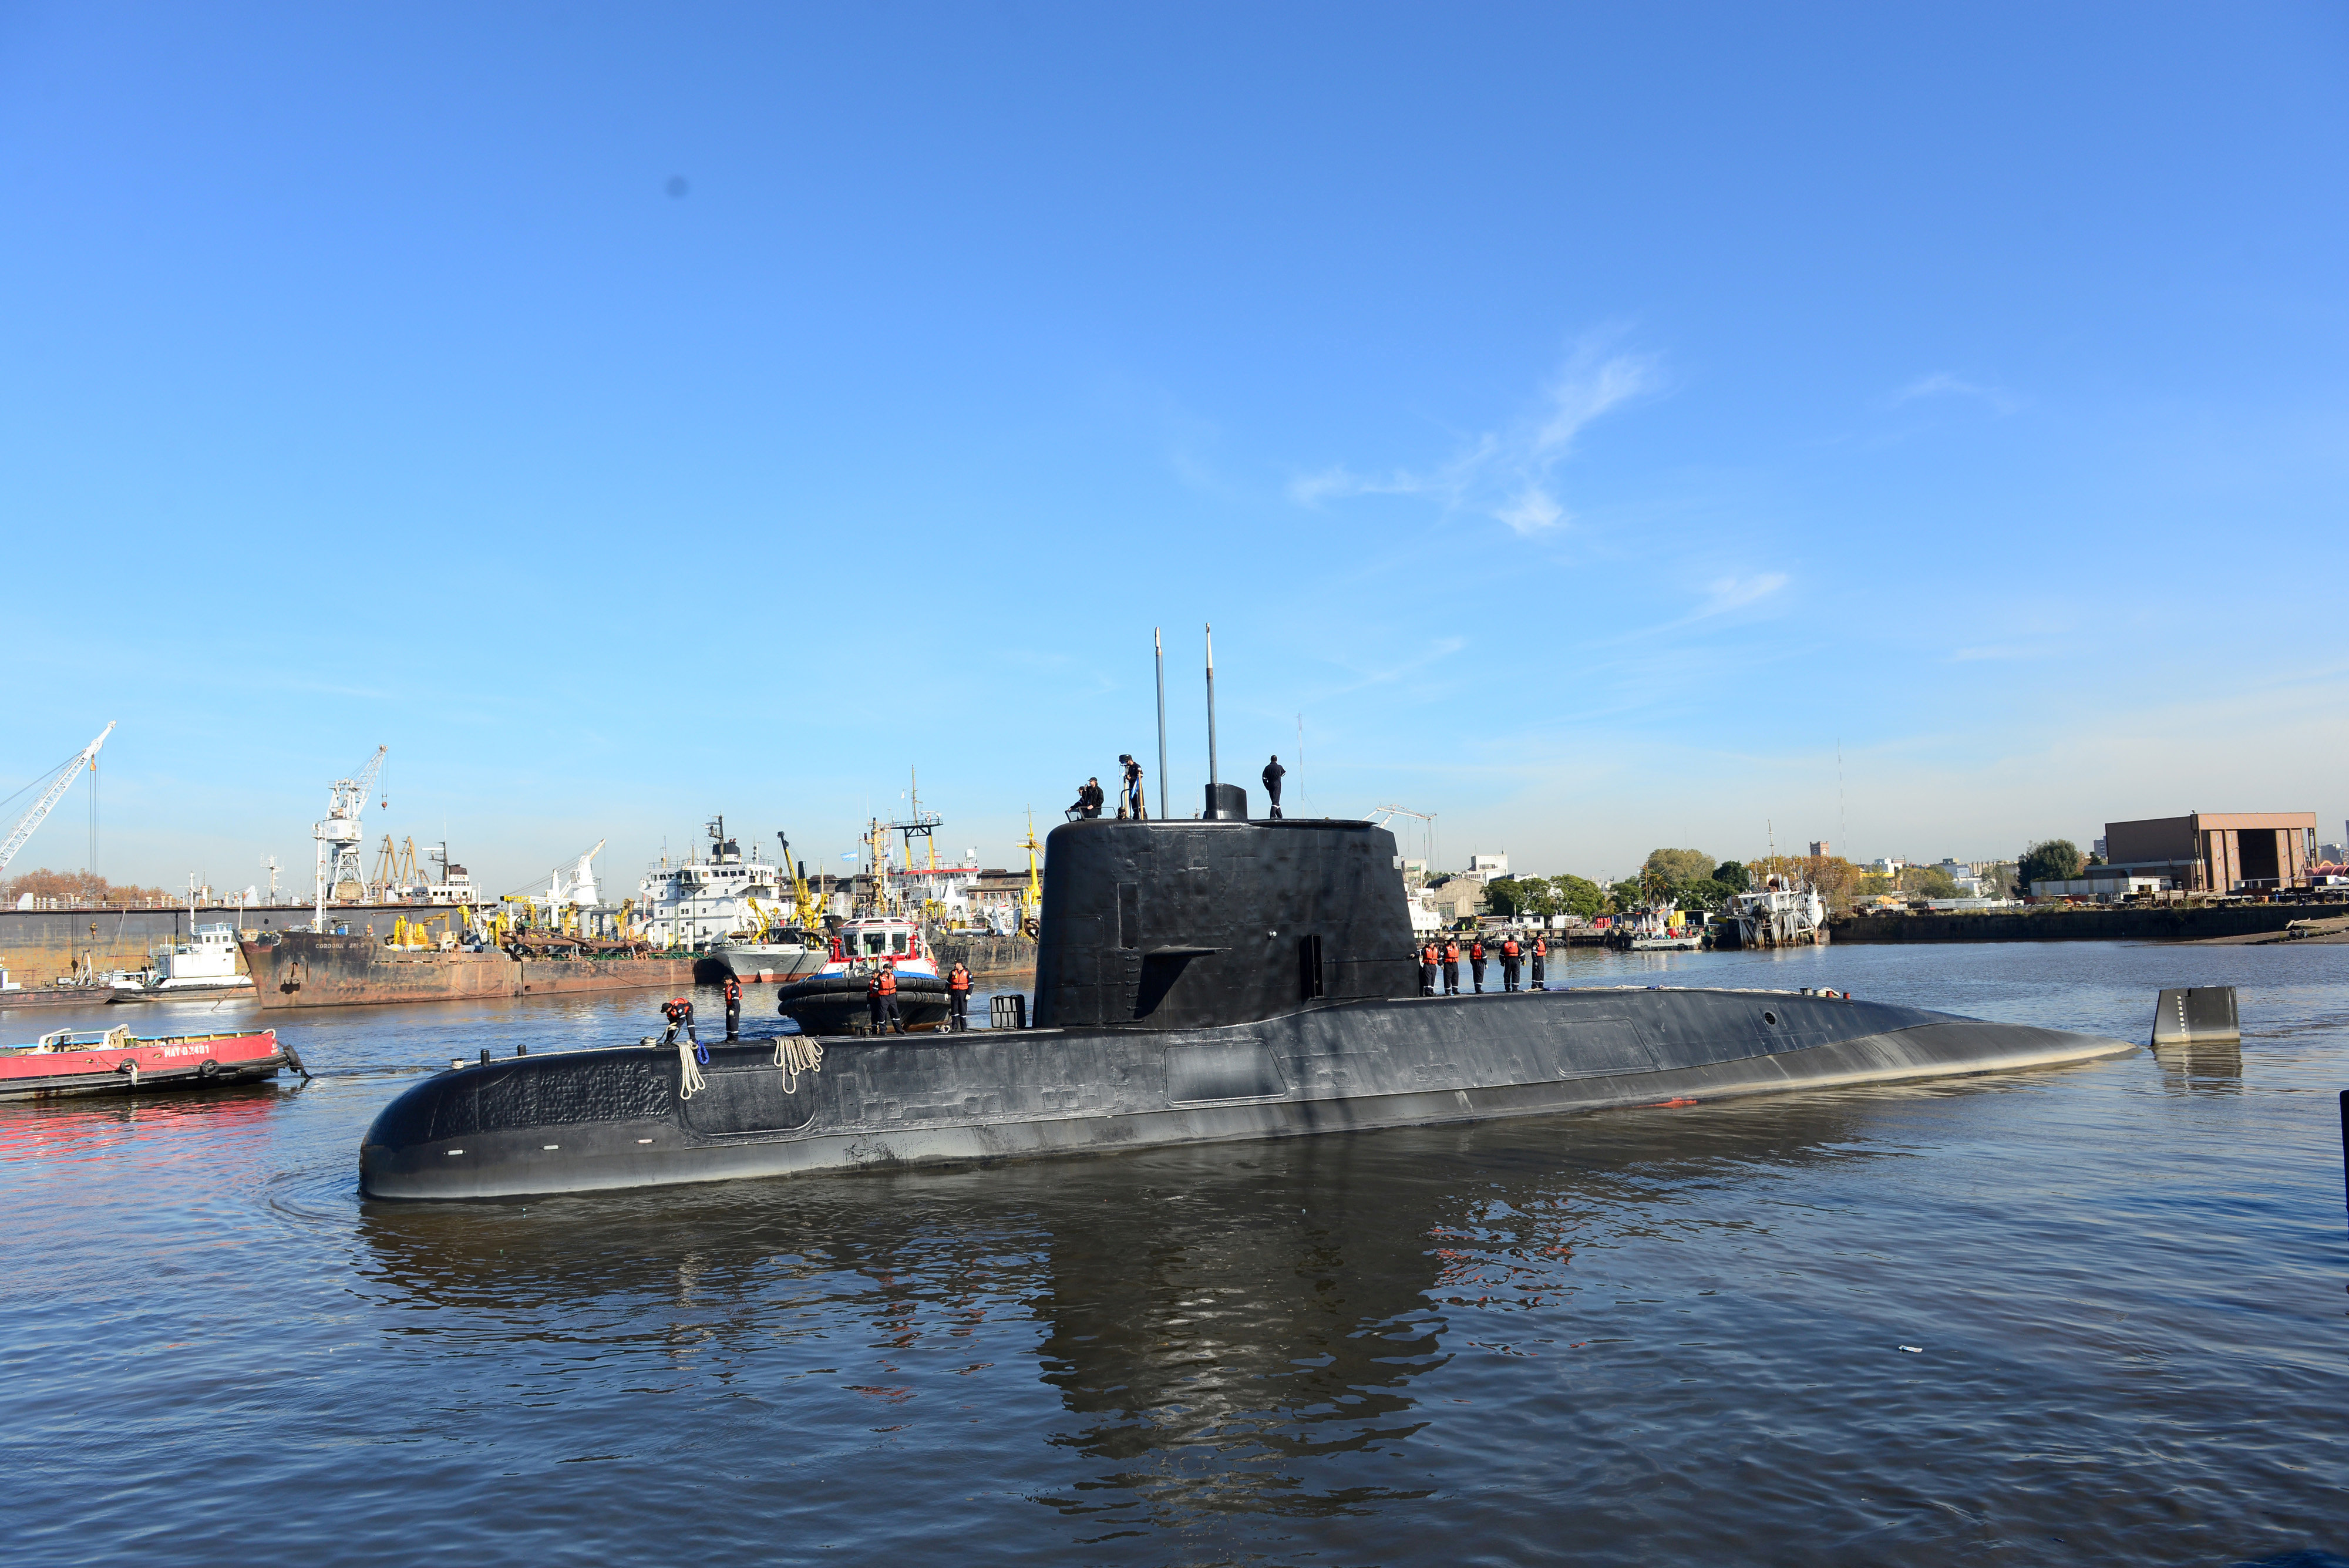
[[313, 968]]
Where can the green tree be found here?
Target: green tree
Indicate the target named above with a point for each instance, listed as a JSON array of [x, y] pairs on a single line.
[[1928, 882], [2049, 860], [1580, 896], [1626, 894], [1707, 894], [1731, 873], [1678, 866]]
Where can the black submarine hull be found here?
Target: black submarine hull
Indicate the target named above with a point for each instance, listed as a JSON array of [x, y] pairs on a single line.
[[614, 1118], [1195, 981]]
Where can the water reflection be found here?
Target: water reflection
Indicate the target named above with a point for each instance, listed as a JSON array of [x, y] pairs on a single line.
[[1214, 1322], [2204, 1067]]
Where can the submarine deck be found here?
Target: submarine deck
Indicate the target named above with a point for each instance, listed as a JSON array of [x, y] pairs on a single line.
[[613, 1117]]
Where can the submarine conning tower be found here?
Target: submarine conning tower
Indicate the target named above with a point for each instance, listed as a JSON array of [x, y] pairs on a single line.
[[1219, 920]]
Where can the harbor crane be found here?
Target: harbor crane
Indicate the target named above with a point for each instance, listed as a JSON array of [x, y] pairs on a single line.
[[338, 835], [1384, 816], [52, 791]]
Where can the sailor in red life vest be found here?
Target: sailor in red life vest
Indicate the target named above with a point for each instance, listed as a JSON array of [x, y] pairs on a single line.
[[1476, 963], [1541, 951], [880, 998], [733, 1007], [1509, 956], [679, 1013], [958, 997], [1427, 969], [1452, 966]]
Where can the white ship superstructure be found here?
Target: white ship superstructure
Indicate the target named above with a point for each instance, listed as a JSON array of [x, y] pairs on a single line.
[[698, 901]]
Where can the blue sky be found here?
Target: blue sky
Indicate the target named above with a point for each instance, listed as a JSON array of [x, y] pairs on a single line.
[[1588, 421]]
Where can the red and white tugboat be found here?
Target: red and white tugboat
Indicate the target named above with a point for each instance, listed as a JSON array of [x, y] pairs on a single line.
[[832, 1001], [115, 1062]]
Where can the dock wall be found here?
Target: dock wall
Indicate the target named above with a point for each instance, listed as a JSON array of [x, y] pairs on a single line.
[[2155, 924]]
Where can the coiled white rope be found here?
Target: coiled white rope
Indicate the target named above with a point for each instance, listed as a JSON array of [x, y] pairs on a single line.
[[689, 1081], [796, 1053]]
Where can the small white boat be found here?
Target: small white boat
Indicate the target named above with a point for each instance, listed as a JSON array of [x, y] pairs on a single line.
[[205, 964]]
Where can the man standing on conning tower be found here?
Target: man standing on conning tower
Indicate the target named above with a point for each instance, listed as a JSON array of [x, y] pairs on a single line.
[[1273, 771]]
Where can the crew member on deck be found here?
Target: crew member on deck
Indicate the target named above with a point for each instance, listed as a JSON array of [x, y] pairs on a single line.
[[1476, 962], [733, 1007], [679, 1013], [1088, 801], [1273, 773], [1510, 955], [1427, 969], [885, 1016], [958, 997], [1452, 967], [1130, 801], [1541, 951]]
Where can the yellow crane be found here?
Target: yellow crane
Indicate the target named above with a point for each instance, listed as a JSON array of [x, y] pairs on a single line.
[[806, 911], [1032, 897]]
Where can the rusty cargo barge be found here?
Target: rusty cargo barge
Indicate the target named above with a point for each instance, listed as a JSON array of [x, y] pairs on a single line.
[[307, 969]]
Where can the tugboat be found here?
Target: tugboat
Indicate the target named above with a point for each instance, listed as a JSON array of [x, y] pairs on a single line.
[[832, 1000], [1197, 981], [881, 934], [115, 1062]]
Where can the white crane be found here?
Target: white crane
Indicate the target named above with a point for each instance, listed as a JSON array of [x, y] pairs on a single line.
[[338, 835], [52, 792]]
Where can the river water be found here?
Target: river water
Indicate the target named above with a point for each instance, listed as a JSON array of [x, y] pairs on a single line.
[[1658, 1335]]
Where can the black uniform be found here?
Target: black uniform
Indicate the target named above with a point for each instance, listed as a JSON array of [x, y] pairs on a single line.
[[1089, 800], [1509, 964], [1427, 969], [1273, 774], [1541, 950], [1452, 968], [1133, 791], [733, 1008], [958, 997], [679, 1013], [1477, 966]]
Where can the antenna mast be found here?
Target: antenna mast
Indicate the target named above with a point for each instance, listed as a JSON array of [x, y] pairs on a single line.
[[1158, 652], [1211, 710]]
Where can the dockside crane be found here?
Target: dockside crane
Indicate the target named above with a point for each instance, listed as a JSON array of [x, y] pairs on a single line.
[[339, 834], [52, 792]]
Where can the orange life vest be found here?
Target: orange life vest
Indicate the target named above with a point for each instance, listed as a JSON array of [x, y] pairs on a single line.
[[1509, 948], [873, 986], [959, 979], [1476, 951], [1541, 948], [1427, 955], [1451, 952], [888, 983]]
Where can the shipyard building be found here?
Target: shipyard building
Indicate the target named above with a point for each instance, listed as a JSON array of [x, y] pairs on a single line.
[[2205, 852]]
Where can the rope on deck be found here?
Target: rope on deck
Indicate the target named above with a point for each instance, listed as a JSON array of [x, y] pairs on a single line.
[[796, 1053]]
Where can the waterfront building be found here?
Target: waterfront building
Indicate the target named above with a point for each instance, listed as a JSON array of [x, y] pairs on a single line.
[[2213, 852]]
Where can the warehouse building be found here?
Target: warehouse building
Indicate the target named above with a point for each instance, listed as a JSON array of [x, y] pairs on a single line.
[[2214, 852]]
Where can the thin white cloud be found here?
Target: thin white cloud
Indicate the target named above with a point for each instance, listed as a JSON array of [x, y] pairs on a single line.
[[1509, 475], [1722, 595], [1941, 384]]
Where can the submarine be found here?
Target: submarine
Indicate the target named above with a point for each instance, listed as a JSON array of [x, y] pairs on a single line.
[[1214, 979]]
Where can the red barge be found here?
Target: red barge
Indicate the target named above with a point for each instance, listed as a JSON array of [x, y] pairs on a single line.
[[115, 1062]]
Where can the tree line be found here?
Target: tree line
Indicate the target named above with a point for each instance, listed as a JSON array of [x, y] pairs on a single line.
[[1694, 880]]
